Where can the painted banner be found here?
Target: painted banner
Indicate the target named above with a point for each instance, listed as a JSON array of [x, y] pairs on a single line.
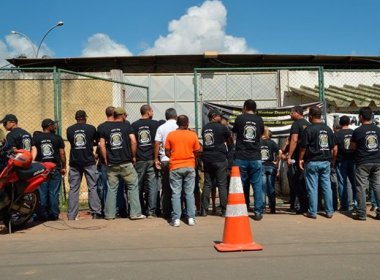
[[277, 119]]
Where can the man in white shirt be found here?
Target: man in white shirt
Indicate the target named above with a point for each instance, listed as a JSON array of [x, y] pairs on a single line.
[[162, 161]]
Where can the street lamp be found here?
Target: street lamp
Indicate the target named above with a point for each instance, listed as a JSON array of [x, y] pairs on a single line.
[[27, 38], [59, 23]]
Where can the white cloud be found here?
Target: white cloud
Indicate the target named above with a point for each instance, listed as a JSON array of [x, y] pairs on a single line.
[[17, 45], [102, 45], [202, 28]]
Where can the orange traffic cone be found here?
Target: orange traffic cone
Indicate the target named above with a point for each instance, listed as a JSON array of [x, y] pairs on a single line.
[[237, 232]]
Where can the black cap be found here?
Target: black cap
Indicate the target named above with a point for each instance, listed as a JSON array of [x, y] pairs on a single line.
[[214, 112], [80, 114], [47, 122], [9, 118]]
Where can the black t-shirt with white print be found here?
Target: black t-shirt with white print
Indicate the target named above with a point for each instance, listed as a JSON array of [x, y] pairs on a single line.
[[145, 132], [214, 137], [318, 139], [343, 140], [48, 145], [297, 128], [19, 138], [118, 144], [82, 137], [269, 152], [248, 129], [367, 137]]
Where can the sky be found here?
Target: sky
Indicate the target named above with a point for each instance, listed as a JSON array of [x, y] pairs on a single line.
[[160, 27]]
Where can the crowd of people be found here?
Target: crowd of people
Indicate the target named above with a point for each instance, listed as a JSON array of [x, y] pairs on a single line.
[[149, 168]]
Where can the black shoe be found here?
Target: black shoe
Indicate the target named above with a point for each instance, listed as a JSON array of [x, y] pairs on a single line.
[[203, 213], [96, 216], [258, 217], [273, 211], [359, 218], [377, 217], [308, 215]]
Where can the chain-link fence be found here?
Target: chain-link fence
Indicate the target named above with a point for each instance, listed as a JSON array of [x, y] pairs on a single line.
[[34, 94], [269, 87]]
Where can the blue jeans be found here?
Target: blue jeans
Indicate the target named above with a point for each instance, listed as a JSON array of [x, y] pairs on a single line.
[[345, 170], [367, 174], [182, 179], [49, 197], [251, 173], [318, 172], [269, 185], [148, 188]]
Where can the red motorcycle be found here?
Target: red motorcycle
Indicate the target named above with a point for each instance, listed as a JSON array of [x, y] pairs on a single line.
[[19, 182]]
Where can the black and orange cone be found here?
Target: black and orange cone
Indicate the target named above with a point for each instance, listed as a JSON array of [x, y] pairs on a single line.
[[237, 234]]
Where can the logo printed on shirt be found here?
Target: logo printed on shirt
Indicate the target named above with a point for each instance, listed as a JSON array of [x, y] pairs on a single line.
[[249, 132], [371, 142], [144, 136], [79, 139], [209, 138], [323, 141], [116, 139], [26, 144], [264, 153], [47, 150], [347, 142]]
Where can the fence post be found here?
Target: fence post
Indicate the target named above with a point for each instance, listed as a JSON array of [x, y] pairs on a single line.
[[321, 85], [195, 81]]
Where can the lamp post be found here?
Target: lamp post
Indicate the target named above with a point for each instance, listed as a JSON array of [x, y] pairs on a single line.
[[27, 38], [59, 23]]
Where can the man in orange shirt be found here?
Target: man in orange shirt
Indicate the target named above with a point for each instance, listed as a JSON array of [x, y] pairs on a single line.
[[182, 147]]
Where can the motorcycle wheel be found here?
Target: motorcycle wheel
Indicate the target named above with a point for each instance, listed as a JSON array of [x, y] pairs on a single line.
[[17, 219]]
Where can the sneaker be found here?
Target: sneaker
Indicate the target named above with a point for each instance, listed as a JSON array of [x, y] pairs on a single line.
[[175, 223], [138, 217], [191, 222]]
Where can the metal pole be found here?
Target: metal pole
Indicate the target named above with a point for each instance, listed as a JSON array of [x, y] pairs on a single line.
[[59, 23], [27, 38]]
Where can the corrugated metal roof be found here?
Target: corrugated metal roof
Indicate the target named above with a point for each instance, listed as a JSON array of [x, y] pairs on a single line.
[[187, 63], [346, 96]]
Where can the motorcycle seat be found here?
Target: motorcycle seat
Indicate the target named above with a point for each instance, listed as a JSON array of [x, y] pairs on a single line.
[[35, 169]]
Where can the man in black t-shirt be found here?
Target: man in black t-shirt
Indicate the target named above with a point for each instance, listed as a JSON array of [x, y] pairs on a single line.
[[297, 177], [49, 147], [215, 138], [118, 148], [17, 138], [345, 165], [82, 138], [315, 157], [145, 131], [248, 129], [365, 141], [270, 157]]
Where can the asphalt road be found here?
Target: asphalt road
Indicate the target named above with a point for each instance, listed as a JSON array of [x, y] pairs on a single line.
[[295, 247]]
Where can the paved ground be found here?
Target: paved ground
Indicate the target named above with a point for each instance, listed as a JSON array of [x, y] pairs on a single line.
[[294, 248]]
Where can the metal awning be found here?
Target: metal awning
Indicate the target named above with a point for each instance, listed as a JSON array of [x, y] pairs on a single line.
[[346, 96]]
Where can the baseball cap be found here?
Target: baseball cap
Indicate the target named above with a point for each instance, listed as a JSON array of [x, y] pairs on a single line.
[[80, 114], [9, 118], [214, 112], [47, 122], [119, 111]]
